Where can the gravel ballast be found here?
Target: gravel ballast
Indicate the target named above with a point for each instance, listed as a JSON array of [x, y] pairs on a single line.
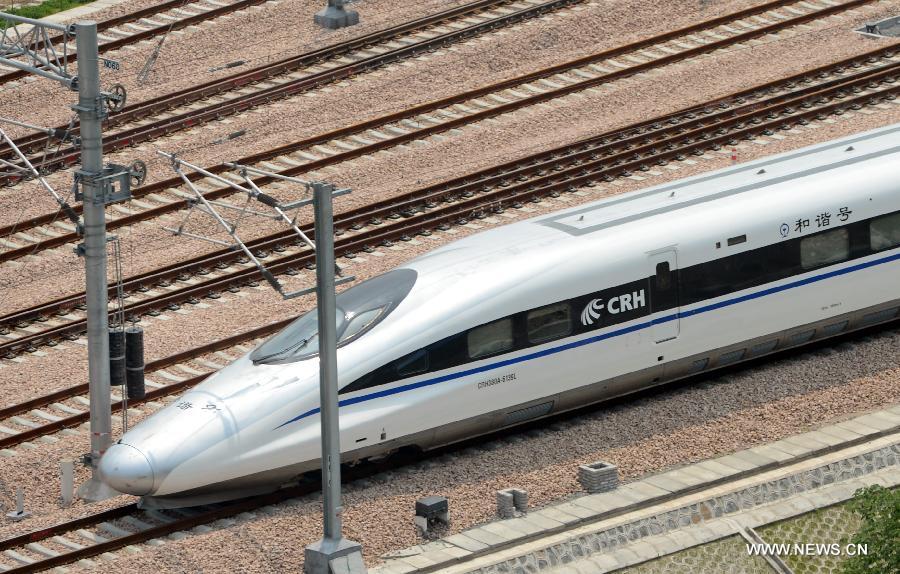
[[507, 53]]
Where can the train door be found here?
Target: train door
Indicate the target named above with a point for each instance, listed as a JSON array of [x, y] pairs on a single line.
[[664, 302]]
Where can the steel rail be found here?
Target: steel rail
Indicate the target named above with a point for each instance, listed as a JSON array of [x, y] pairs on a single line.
[[569, 179], [397, 204], [69, 526], [125, 18], [139, 36], [536, 98], [216, 111], [160, 531], [431, 106], [316, 140], [582, 175], [140, 110]]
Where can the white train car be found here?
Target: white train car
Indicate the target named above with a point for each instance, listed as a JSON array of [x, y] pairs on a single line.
[[546, 315]]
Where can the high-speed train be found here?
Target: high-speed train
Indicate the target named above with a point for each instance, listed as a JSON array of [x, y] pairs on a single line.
[[540, 316]]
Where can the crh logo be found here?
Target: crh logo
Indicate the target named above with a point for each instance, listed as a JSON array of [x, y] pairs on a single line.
[[592, 312], [618, 304]]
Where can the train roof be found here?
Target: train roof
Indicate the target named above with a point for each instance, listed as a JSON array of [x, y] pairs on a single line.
[[726, 182], [553, 237], [530, 263]]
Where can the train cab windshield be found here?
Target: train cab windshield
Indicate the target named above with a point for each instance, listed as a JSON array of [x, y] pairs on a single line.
[[358, 309]]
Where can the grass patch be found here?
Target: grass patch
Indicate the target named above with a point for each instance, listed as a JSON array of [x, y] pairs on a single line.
[[40, 10]]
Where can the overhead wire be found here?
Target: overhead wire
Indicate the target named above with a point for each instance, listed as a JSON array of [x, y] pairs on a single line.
[[25, 205], [144, 246]]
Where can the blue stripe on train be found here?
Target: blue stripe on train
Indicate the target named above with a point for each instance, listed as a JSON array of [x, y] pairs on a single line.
[[603, 336]]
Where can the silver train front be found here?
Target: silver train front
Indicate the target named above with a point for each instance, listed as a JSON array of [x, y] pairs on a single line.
[[191, 446]]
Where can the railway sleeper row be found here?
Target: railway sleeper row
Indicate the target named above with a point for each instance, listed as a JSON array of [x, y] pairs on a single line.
[[72, 412], [67, 408], [187, 109]]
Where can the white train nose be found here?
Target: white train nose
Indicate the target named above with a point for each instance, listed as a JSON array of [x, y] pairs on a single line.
[[127, 470]]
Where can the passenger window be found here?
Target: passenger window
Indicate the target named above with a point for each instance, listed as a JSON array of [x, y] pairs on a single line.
[[829, 247], [550, 322], [412, 364], [884, 232], [490, 339]]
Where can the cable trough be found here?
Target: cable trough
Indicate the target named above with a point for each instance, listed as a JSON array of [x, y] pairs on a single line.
[[745, 115], [442, 115]]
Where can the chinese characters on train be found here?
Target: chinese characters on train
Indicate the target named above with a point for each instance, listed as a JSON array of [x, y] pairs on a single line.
[[185, 405], [822, 220]]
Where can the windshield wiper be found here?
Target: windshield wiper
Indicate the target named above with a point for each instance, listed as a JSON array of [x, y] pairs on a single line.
[[298, 345]]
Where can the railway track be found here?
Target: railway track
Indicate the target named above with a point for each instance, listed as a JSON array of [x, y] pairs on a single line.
[[420, 122], [760, 111], [135, 27], [122, 526], [291, 76], [128, 526]]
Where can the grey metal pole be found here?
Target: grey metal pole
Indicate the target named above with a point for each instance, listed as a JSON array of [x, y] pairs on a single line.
[[90, 114], [328, 380], [333, 553]]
